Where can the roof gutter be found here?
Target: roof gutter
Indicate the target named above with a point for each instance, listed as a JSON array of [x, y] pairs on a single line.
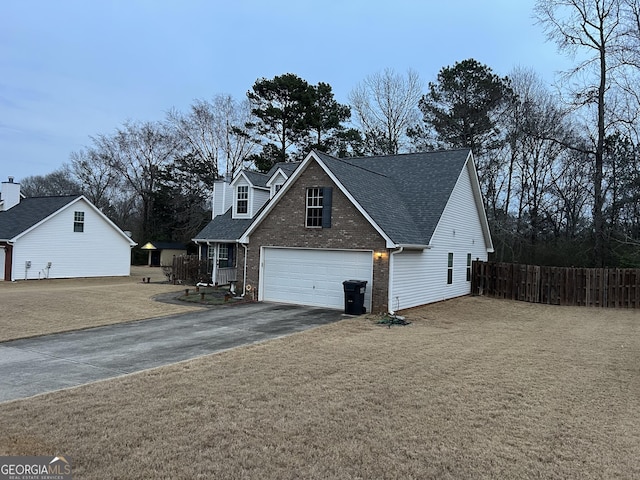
[[410, 246]]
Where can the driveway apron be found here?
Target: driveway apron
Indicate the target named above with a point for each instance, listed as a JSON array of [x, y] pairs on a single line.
[[43, 364]]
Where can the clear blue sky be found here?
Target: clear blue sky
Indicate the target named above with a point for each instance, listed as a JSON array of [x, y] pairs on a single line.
[[70, 69]]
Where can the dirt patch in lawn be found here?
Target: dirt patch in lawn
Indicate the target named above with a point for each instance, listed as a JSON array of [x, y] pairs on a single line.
[[472, 388], [37, 307]]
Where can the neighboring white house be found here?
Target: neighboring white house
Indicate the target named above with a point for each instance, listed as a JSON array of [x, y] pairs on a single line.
[[58, 237]]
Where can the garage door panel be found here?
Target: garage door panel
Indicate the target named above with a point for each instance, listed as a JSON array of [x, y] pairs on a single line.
[[313, 277]]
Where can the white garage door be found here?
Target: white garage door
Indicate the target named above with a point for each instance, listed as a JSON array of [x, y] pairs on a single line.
[[313, 277]]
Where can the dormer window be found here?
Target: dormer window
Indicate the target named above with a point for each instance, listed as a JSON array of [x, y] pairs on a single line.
[[242, 202]]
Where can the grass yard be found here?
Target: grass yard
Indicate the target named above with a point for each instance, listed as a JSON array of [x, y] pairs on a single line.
[[38, 307], [472, 388]]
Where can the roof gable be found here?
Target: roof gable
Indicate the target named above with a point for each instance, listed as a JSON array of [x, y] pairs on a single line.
[[255, 179], [409, 201], [33, 211], [29, 212], [402, 196]]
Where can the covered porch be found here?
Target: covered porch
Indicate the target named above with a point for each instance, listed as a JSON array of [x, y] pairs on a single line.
[[221, 261]]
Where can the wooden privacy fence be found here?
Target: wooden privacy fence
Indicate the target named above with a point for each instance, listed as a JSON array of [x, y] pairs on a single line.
[[188, 269], [591, 287]]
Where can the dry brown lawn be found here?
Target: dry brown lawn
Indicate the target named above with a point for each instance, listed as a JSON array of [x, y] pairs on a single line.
[[36, 307], [473, 388]]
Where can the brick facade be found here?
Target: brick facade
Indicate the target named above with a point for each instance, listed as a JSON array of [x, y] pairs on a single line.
[[285, 226]]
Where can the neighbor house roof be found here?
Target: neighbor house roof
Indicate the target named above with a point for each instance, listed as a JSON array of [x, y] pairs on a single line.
[[32, 211], [223, 228], [29, 212]]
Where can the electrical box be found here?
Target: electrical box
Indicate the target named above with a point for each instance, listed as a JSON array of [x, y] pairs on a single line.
[[27, 264]]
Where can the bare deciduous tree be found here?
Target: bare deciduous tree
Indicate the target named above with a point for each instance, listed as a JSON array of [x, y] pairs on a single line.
[[139, 152], [214, 132], [595, 30], [385, 105]]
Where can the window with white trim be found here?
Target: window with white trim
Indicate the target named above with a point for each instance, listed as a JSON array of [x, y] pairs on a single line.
[[450, 268], [468, 267], [242, 201], [78, 221], [314, 207]]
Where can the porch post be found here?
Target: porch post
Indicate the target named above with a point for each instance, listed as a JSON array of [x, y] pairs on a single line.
[[214, 267]]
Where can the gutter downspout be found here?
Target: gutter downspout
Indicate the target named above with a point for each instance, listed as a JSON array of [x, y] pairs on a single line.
[[244, 273], [391, 262]]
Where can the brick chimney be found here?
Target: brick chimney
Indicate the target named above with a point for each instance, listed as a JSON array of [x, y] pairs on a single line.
[[9, 194]]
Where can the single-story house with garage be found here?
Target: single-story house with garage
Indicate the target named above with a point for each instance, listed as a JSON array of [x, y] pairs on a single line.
[[409, 225], [161, 253], [58, 237]]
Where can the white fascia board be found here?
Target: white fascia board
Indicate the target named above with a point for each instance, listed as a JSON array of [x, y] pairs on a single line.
[[310, 157], [238, 176], [271, 203], [477, 194], [409, 246], [278, 173], [390, 243], [213, 240]]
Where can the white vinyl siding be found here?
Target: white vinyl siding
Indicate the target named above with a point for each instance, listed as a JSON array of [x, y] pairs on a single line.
[[100, 251], [222, 198], [255, 198], [258, 198], [420, 276], [313, 276]]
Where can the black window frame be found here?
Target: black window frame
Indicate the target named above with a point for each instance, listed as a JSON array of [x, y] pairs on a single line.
[[450, 268]]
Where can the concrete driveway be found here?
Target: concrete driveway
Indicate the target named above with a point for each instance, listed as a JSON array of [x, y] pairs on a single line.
[[43, 364]]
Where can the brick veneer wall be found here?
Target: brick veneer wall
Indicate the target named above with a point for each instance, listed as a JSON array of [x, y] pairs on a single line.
[[285, 227]]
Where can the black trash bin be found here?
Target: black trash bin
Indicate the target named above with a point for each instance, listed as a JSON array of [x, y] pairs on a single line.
[[354, 296]]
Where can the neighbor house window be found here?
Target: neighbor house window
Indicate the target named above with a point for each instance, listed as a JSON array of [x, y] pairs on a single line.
[[450, 269], [468, 267], [314, 207], [242, 205], [78, 221]]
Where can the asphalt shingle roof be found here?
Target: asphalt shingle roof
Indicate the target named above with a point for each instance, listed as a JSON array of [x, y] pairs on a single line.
[[29, 212], [256, 178], [287, 167], [404, 194], [224, 228]]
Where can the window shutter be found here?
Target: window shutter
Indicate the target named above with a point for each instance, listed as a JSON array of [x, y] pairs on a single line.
[[326, 206]]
